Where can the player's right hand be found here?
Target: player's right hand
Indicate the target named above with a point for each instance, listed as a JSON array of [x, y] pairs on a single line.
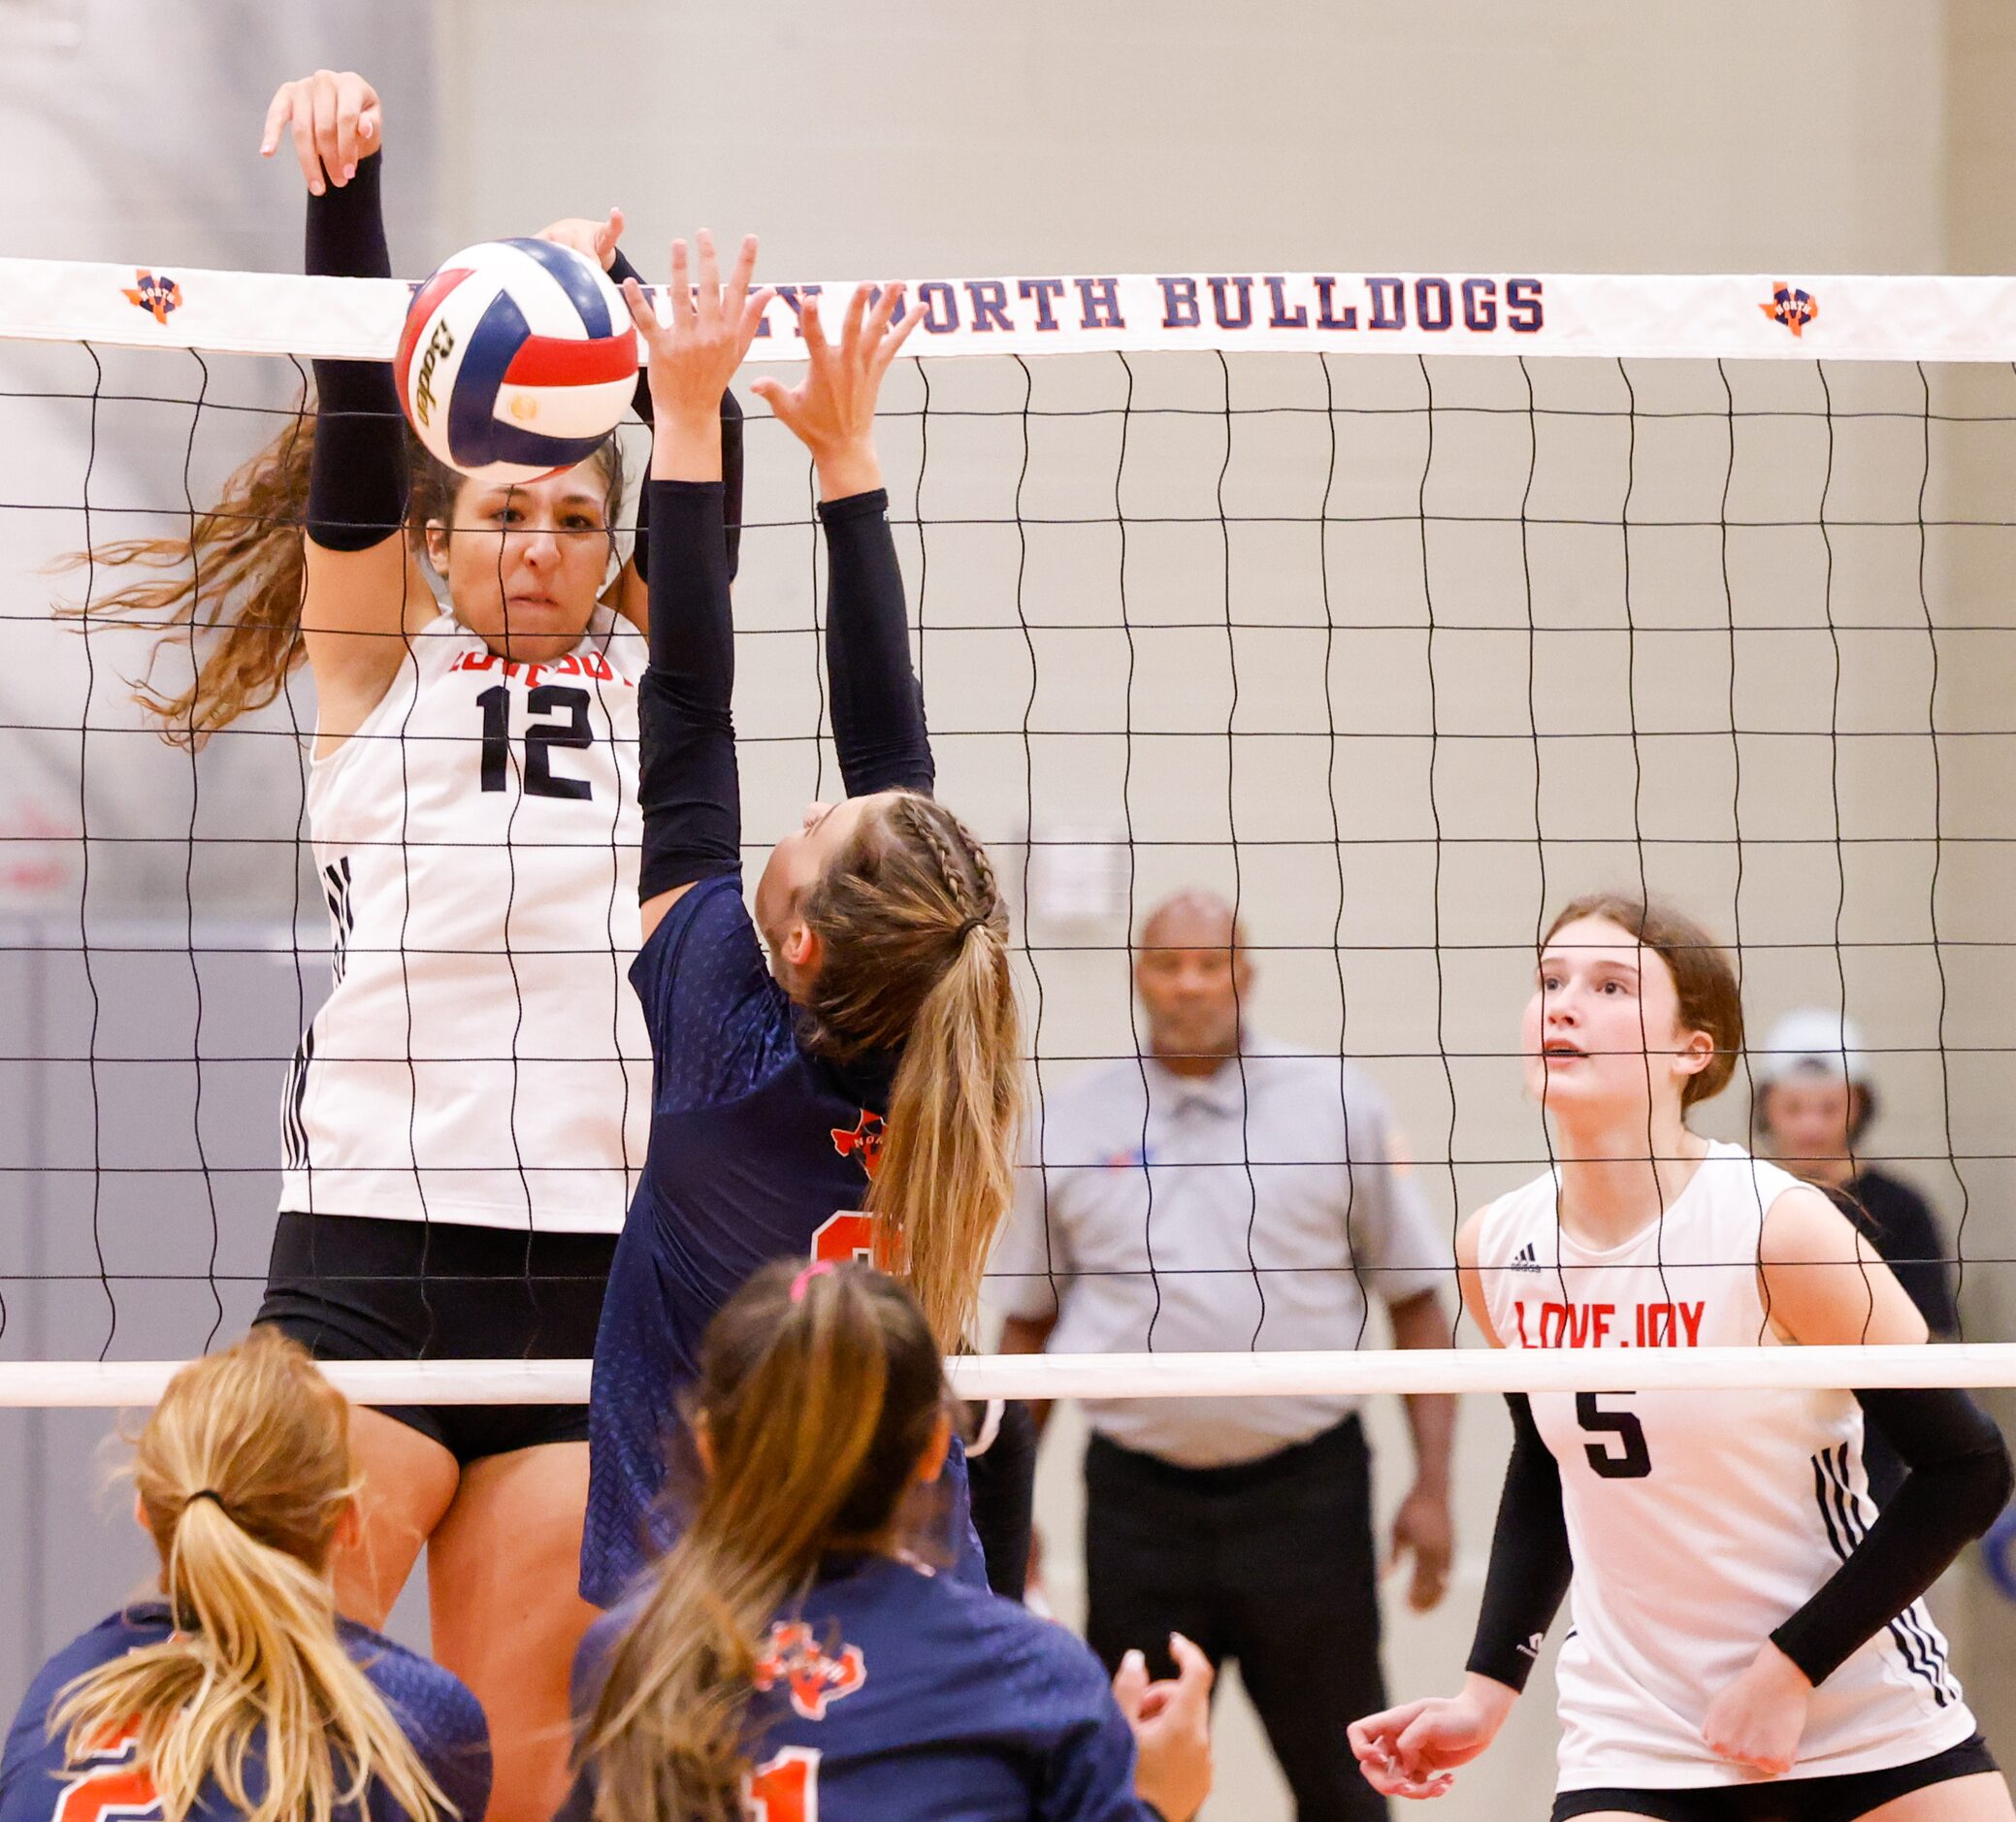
[[1413, 1750], [695, 353], [1172, 1729], [336, 122]]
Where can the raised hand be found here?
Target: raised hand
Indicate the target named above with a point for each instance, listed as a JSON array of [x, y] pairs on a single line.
[[336, 122], [596, 240], [695, 355], [832, 410]]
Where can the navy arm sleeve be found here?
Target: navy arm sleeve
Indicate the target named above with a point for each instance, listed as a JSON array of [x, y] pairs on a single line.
[[687, 787], [357, 469], [1531, 1566], [1958, 1483], [878, 705]]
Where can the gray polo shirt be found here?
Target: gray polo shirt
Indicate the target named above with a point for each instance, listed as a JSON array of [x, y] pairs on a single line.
[[1260, 1213]]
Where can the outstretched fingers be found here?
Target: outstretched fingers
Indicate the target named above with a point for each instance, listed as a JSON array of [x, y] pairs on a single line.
[[641, 313], [892, 340]]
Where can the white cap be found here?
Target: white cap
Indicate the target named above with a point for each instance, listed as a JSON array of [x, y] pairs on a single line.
[[1813, 1039]]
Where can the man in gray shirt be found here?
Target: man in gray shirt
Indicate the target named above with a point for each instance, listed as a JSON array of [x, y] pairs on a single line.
[[1224, 1193]]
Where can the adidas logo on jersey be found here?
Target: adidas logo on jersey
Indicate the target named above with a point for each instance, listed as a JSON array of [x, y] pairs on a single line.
[[1524, 1260]]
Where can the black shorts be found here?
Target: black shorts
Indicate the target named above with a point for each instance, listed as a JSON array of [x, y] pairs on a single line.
[[1841, 1799], [352, 1288]]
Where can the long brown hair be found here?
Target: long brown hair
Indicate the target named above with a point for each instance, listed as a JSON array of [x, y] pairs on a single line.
[[244, 1474], [234, 584], [915, 934], [819, 1390], [1703, 977]]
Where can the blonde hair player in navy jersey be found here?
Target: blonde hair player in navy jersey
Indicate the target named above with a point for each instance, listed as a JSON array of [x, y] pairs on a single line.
[[859, 1093], [1749, 1645], [467, 1111], [235, 1691]]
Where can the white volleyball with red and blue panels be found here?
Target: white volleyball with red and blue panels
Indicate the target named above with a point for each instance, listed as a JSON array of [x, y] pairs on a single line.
[[518, 358]]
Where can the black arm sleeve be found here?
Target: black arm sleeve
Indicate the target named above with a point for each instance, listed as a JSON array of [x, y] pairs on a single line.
[[1001, 1482], [1958, 1485], [621, 269], [357, 470], [687, 784], [878, 705], [1530, 1562]]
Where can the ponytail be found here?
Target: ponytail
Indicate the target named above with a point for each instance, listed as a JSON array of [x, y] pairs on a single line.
[[243, 1476], [946, 1175], [820, 1391], [236, 580], [916, 940]]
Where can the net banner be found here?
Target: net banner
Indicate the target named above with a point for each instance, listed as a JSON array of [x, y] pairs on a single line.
[[1738, 317]]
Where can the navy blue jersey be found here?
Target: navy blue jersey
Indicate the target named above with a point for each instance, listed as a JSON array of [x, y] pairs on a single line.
[[891, 1694], [760, 1151], [436, 1712]]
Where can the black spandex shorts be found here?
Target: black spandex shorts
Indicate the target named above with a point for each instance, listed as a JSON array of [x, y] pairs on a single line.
[[1842, 1799], [351, 1287]]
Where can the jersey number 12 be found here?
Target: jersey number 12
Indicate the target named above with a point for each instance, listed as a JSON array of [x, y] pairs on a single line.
[[540, 738]]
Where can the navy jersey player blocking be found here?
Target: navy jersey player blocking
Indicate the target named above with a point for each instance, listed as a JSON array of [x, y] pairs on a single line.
[[800, 1105]]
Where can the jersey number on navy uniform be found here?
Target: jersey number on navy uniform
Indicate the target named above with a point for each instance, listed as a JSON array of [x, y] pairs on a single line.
[[541, 737], [107, 1783], [783, 1789], [1636, 1460]]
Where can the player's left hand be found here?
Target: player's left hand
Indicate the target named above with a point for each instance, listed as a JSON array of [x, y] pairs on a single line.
[[832, 410], [1423, 1528], [594, 240], [1757, 1721]]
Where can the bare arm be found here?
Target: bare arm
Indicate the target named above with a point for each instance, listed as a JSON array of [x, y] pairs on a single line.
[[1469, 1282], [1424, 1526], [1824, 1284]]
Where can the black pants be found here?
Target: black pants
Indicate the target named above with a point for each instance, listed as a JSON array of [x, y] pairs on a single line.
[[1270, 1564]]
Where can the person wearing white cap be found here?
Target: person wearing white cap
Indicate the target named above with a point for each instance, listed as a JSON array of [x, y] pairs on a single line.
[[1814, 1100]]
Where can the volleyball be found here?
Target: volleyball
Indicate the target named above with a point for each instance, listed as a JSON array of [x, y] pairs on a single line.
[[516, 360]]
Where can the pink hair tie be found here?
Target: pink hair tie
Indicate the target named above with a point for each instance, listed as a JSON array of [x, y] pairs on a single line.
[[819, 1268]]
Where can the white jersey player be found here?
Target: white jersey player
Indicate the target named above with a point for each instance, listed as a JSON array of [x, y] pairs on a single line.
[[465, 1115], [1747, 1640], [481, 1059]]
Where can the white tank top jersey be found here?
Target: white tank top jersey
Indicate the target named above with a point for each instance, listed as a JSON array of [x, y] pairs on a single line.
[[1699, 1521], [483, 1059]]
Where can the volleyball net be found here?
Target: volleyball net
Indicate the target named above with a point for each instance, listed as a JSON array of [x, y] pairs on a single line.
[[1399, 609]]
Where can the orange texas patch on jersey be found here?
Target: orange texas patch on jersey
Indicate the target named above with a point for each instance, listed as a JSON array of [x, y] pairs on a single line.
[[797, 1660]]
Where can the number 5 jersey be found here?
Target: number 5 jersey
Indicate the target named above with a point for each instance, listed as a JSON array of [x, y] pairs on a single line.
[[1699, 1521], [481, 1058]]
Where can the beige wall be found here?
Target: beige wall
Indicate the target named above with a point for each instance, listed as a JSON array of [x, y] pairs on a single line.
[[1550, 137]]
